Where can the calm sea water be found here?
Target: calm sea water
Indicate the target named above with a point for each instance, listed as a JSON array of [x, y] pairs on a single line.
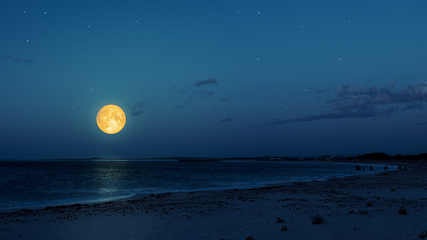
[[38, 183]]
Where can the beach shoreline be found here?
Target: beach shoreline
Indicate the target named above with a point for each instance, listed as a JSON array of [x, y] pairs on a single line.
[[364, 169], [384, 205]]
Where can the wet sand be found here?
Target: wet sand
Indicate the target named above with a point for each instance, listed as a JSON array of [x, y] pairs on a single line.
[[388, 205]]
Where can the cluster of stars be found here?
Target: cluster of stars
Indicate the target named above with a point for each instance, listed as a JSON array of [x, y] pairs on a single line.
[[45, 13], [25, 11]]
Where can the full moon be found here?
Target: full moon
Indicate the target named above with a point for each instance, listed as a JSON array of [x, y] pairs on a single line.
[[111, 119]]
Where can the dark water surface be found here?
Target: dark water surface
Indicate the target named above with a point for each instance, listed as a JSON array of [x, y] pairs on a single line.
[[33, 183]]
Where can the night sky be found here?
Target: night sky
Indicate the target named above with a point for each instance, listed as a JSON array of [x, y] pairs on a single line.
[[213, 78]]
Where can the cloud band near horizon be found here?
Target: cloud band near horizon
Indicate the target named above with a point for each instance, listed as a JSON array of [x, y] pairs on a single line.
[[352, 101]]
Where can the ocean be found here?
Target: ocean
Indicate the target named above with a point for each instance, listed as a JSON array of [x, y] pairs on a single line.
[[37, 183]]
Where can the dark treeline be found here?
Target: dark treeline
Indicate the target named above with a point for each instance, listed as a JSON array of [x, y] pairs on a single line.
[[383, 156], [376, 156]]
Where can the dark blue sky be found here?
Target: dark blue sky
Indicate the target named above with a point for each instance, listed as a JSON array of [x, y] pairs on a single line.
[[213, 78]]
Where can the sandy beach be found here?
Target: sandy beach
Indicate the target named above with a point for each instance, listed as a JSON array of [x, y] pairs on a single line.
[[388, 205]]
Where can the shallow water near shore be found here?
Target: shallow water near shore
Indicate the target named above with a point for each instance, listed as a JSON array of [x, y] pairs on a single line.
[[41, 183]]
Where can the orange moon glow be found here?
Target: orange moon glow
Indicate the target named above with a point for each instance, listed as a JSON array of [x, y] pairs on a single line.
[[111, 119]]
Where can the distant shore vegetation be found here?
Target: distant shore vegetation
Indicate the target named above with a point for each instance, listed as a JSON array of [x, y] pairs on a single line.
[[376, 156]]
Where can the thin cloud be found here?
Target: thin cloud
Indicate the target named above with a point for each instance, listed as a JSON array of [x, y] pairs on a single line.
[[415, 106], [206, 82], [202, 94], [324, 116], [352, 101], [225, 100], [29, 61], [137, 108], [183, 104], [180, 91], [227, 119], [18, 60], [199, 94]]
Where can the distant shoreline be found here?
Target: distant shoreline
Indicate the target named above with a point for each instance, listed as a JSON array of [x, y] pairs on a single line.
[[376, 157]]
